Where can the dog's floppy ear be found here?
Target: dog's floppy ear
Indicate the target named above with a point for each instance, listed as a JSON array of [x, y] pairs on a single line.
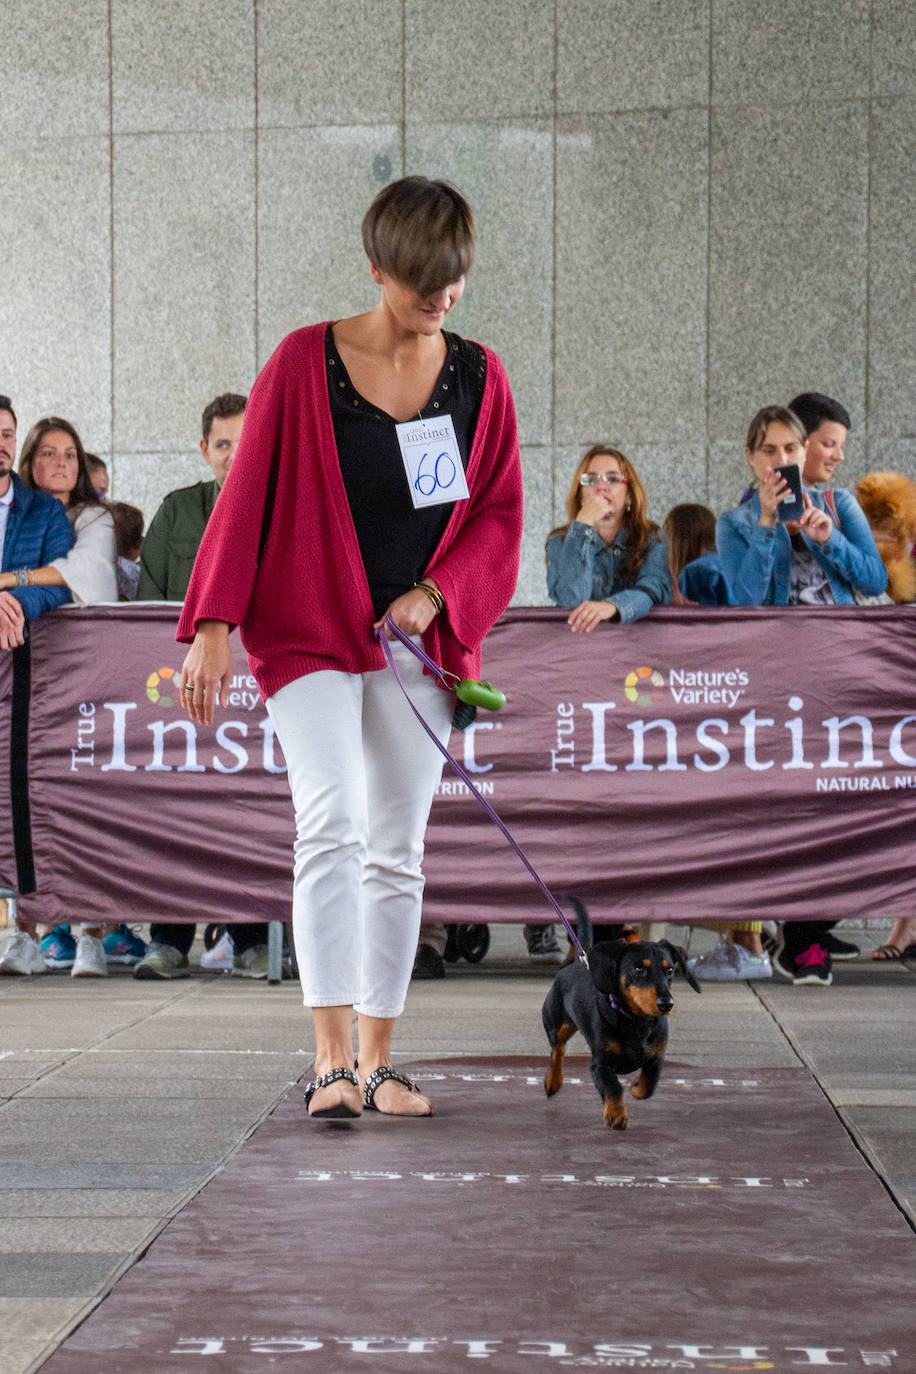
[[680, 962], [604, 964]]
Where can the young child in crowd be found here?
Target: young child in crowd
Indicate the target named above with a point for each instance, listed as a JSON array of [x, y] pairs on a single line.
[[128, 542]]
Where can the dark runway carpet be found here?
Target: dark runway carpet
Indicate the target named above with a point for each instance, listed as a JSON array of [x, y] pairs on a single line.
[[733, 1227]]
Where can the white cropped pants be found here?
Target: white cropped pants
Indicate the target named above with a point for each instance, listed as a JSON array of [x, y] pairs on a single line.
[[363, 774]]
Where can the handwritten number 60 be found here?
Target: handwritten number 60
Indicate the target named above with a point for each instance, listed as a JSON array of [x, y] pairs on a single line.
[[440, 475]]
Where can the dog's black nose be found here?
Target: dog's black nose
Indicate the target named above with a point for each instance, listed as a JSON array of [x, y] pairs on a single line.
[[665, 1004]]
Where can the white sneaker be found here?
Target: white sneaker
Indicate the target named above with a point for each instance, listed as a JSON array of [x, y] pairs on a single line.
[[718, 965], [90, 961], [221, 955], [22, 955], [752, 965]]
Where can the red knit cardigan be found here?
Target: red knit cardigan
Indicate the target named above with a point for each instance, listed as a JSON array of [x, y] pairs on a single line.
[[280, 557]]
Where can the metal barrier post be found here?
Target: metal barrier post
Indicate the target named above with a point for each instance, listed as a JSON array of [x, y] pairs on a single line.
[[275, 952]]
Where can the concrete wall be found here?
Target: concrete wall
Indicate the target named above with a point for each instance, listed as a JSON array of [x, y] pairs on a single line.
[[687, 209]]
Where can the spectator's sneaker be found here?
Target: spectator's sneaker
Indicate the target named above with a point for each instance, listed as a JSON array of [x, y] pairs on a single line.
[[220, 956], [769, 937], [162, 961], [122, 946], [813, 966], [717, 965], [22, 955], [541, 942], [58, 948], [428, 963], [839, 949], [251, 963], [90, 958], [752, 966]]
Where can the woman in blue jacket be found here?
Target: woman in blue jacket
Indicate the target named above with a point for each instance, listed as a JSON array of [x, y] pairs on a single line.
[[610, 562], [813, 561]]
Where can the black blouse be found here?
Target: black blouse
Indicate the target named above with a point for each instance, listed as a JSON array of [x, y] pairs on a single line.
[[396, 541]]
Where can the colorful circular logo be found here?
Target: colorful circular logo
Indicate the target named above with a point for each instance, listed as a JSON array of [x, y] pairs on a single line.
[[643, 686], [153, 684]]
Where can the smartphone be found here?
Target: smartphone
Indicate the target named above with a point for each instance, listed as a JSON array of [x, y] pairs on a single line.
[[792, 505]]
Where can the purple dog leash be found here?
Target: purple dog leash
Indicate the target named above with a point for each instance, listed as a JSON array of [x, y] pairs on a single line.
[[442, 675]]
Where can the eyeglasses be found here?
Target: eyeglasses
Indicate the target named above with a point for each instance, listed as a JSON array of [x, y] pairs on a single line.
[[610, 479]]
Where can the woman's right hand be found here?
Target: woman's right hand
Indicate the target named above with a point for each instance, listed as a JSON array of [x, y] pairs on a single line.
[[207, 671], [588, 614], [593, 508], [773, 487]]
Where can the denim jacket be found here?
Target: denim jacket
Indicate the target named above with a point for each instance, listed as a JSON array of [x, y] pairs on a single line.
[[704, 582], [582, 567], [756, 560], [37, 532]]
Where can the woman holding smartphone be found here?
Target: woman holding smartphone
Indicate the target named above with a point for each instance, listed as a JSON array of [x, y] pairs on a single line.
[[811, 561], [768, 561]]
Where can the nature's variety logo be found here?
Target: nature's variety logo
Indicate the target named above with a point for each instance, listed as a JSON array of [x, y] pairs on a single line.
[[154, 683], [643, 686]]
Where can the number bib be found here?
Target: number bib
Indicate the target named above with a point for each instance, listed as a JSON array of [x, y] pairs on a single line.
[[432, 461]]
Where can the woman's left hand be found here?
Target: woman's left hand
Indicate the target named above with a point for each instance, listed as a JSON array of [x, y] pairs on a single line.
[[588, 614], [413, 613], [12, 622], [815, 523]]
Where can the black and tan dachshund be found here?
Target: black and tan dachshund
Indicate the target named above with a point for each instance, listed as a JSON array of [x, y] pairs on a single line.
[[620, 1003]]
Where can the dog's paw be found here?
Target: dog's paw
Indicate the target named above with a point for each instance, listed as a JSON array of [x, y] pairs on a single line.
[[643, 1087], [615, 1114]]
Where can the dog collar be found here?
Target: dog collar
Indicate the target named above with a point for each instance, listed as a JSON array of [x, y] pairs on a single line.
[[615, 1006]]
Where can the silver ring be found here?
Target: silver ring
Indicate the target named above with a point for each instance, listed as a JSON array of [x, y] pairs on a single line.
[[189, 687]]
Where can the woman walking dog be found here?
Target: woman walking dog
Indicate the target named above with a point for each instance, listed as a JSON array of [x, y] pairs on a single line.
[[377, 474]]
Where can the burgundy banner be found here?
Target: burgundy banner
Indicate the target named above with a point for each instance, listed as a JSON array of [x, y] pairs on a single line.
[[702, 764]]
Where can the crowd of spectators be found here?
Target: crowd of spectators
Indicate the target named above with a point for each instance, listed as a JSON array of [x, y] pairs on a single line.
[[63, 540]]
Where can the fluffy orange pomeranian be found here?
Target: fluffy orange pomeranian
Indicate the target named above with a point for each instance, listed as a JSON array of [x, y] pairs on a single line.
[[889, 502]]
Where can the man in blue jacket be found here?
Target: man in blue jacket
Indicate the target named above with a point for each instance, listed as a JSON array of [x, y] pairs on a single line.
[[34, 530]]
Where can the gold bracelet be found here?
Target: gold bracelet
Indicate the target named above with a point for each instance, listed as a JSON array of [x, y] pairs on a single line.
[[437, 596], [434, 595]]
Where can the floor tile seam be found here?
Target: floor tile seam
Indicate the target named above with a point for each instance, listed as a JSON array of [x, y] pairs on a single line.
[[67, 1328], [857, 1137], [178, 995]]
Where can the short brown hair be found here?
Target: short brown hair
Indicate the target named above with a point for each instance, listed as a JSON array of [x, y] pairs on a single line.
[[221, 408], [84, 493], [773, 415], [421, 232]]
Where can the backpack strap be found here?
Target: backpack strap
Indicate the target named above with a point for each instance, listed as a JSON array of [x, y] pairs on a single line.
[[830, 502]]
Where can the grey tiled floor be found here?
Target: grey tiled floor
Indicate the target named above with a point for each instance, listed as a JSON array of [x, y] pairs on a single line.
[[119, 1100]]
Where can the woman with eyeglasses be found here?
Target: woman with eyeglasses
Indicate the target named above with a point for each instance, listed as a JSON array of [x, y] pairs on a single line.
[[611, 561]]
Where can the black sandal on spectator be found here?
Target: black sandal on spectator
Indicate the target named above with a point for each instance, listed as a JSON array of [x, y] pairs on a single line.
[[339, 1109], [380, 1076]]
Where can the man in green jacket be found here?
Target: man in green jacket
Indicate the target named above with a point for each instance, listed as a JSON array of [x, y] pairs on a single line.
[[177, 528], [166, 560]]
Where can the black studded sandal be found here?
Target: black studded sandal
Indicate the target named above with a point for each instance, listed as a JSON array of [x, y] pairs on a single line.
[[340, 1109], [375, 1081]]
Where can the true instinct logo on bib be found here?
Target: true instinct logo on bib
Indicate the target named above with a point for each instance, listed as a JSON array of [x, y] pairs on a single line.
[[432, 461]]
